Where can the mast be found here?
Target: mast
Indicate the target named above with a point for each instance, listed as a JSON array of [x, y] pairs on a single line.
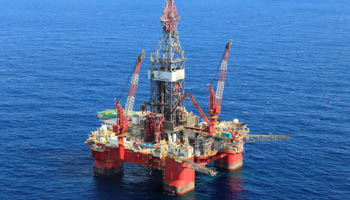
[[167, 71]]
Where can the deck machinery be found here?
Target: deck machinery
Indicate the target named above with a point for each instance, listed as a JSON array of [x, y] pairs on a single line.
[[163, 134]]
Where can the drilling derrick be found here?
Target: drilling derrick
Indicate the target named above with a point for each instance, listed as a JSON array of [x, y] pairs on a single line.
[[167, 71]]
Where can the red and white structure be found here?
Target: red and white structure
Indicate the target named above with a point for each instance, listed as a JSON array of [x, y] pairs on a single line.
[[167, 137]]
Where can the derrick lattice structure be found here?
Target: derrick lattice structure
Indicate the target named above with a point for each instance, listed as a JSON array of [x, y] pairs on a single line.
[[167, 71]]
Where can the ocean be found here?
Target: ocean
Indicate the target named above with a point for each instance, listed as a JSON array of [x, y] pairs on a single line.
[[63, 61]]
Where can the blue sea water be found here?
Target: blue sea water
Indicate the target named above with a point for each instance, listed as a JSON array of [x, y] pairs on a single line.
[[63, 61]]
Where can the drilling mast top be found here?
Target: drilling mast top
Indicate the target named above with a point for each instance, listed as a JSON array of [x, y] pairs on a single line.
[[170, 18]]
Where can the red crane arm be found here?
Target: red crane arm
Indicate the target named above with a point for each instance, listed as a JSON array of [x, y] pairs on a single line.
[[122, 120], [222, 77], [215, 98], [194, 102], [121, 125], [134, 85]]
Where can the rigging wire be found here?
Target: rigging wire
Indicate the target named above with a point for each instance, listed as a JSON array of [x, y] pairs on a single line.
[[127, 82]]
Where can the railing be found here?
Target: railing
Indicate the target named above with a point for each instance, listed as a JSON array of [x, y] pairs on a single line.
[[265, 138]]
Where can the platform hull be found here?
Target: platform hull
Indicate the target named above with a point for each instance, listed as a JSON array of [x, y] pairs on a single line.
[[178, 179], [107, 163], [178, 190], [230, 162]]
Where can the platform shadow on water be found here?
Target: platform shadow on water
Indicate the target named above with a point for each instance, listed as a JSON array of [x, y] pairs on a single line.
[[135, 182], [225, 185], [107, 187]]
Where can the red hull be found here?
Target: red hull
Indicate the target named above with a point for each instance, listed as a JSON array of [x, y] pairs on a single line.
[[178, 178], [108, 162], [230, 162]]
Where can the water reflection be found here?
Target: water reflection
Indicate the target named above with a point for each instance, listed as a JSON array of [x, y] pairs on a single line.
[[233, 181], [136, 183], [226, 185]]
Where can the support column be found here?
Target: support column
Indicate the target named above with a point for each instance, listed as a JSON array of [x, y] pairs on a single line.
[[230, 162], [107, 168], [177, 178], [107, 163]]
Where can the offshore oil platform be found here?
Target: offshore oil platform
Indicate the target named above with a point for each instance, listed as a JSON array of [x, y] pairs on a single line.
[[163, 135]]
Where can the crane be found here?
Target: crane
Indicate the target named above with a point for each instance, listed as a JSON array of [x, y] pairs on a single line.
[[134, 85], [122, 119], [215, 98]]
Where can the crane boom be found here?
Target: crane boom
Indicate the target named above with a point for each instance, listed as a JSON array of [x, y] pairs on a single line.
[[133, 85], [121, 124], [194, 102], [222, 77], [122, 118], [215, 98]]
